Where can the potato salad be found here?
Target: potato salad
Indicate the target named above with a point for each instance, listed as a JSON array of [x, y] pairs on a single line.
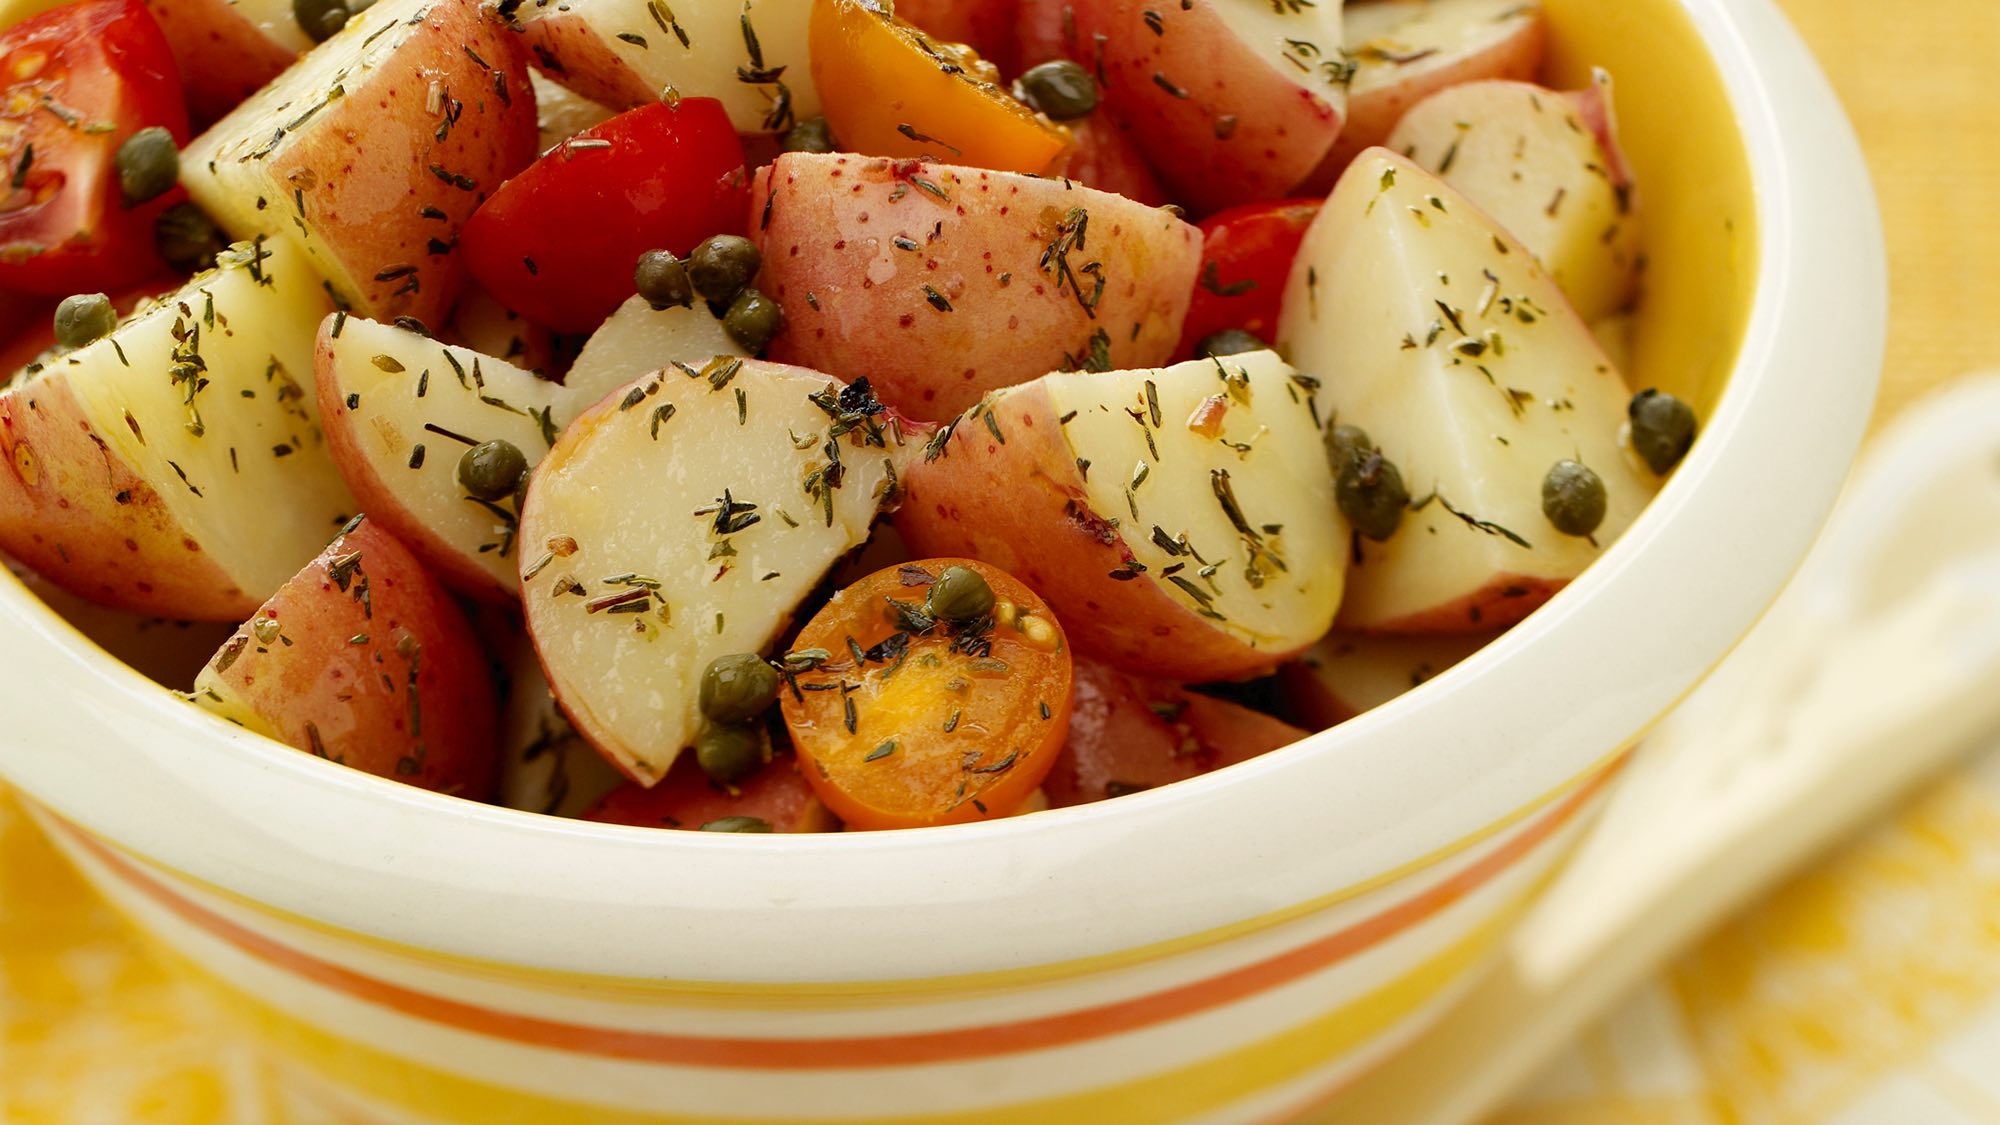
[[770, 416]]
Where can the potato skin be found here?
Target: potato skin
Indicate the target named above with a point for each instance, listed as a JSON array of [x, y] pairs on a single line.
[[939, 296], [1021, 506], [223, 57], [344, 646], [77, 513]]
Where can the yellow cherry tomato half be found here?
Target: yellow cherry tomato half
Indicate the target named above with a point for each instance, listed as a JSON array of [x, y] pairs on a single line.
[[890, 90], [904, 717]]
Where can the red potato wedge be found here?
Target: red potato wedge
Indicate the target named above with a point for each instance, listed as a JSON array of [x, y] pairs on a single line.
[[1180, 522], [165, 651], [1127, 734], [777, 796], [401, 409], [1101, 156], [941, 283], [732, 470], [225, 54], [1043, 30], [987, 26], [1231, 102], [176, 467], [364, 659], [1527, 157], [1347, 674], [371, 153], [625, 53], [1439, 334], [1406, 50]]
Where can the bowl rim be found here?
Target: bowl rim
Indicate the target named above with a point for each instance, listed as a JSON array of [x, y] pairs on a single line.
[[435, 873]]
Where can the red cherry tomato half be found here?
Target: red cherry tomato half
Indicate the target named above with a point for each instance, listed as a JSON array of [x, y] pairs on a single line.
[[1246, 256], [558, 242], [75, 82]]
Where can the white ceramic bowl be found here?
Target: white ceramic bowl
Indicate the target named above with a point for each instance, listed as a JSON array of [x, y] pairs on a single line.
[[1230, 947]]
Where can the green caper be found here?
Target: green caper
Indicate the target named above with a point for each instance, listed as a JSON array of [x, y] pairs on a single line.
[[491, 469], [729, 752], [1370, 492], [1229, 341], [1346, 445], [1062, 90], [721, 266], [1573, 498], [753, 320], [738, 824], [662, 279], [84, 318], [319, 19], [149, 165], [1662, 429], [959, 594], [811, 135], [186, 238], [738, 687]]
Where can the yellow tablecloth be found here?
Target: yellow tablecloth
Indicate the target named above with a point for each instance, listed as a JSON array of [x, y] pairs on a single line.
[[1860, 986]]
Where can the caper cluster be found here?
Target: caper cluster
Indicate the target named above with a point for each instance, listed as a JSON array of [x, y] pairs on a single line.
[[719, 271], [736, 690]]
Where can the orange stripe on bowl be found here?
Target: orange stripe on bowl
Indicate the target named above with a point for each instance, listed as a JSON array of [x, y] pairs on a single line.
[[864, 1051]]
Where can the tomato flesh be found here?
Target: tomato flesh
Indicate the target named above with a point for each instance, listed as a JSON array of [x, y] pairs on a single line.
[[558, 242], [686, 798], [900, 729], [890, 90], [75, 83], [1246, 257]]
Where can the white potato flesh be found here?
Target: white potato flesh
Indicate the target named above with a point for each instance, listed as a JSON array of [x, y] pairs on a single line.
[[412, 406], [560, 113], [1171, 450], [239, 460], [1392, 41], [634, 575], [1301, 41], [1437, 332], [1346, 674], [706, 63], [1526, 157], [638, 340]]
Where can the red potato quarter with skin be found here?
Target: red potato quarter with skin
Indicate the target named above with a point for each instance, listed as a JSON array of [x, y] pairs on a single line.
[[133, 484], [941, 283], [64, 224], [222, 56], [1180, 521], [776, 796], [372, 152], [1127, 734], [1438, 334], [1406, 50], [364, 659], [1101, 156], [914, 718], [1231, 102]]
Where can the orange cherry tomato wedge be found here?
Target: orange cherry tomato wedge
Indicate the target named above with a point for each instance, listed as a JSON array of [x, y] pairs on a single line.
[[888, 89], [902, 722]]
